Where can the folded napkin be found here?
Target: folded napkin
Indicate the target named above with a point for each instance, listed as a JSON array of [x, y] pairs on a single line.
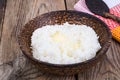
[[114, 7]]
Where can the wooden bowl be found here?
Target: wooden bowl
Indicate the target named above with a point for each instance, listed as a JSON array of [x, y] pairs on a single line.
[[59, 17]]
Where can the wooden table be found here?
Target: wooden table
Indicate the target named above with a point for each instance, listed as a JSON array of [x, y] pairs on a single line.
[[14, 66]]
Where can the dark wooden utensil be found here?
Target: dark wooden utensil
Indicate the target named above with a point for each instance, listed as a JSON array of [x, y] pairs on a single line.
[[100, 8]]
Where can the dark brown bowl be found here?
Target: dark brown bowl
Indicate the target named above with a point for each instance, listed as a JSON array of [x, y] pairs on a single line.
[[59, 17]]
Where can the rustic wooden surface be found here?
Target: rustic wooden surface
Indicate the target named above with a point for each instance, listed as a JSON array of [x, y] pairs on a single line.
[[14, 66]]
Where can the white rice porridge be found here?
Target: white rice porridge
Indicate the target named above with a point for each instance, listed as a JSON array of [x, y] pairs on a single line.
[[64, 44]]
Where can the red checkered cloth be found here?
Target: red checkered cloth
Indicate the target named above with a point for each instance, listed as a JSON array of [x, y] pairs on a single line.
[[113, 26]]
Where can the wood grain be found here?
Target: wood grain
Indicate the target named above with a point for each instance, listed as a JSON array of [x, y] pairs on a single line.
[[108, 68], [14, 65], [19, 12], [2, 13], [70, 4]]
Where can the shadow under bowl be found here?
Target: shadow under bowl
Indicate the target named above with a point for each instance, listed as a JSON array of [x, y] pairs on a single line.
[[59, 17]]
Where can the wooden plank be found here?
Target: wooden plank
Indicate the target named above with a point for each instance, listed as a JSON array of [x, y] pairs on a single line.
[[17, 14], [22, 69], [2, 13], [14, 66], [108, 69], [70, 4]]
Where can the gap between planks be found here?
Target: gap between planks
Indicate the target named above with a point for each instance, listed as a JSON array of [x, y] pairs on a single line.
[[2, 14]]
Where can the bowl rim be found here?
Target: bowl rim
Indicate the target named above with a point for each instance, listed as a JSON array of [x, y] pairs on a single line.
[[102, 51]]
